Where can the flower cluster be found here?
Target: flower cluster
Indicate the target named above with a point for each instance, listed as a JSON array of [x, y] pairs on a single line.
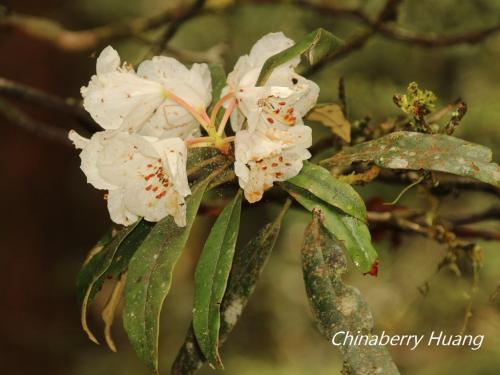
[[150, 117]]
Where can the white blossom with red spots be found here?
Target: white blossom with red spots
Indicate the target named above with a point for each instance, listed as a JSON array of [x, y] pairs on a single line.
[[117, 97], [263, 157], [284, 98], [271, 139], [145, 176]]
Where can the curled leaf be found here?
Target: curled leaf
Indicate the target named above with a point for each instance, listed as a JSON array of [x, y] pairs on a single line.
[[314, 47], [332, 116], [108, 313], [90, 278]]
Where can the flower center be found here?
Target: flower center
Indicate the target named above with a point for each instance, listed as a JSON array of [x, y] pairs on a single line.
[[276, 109], [156, 179]]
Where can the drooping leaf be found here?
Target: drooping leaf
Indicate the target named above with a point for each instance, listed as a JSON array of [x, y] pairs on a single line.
[[411, 150], [210, 279], [90, 277], [319, 182], [331, 115], [218, 82], [350, 231], [338, 307], [314, 47], [125, 251], [108, 313], [150, 276], [248, 264]]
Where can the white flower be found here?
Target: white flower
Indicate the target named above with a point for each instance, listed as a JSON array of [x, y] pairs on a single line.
[[265, 157], [145, 176], [119, 98], [285, 97], [274, 143]]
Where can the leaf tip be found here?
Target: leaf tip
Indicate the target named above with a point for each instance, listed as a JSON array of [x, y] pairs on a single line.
[[373, 271]]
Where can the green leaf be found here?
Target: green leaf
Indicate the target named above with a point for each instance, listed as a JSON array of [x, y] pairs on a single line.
[[352, 232], [218, 83], [319, 182], [336, 306], [314, 47], [150, 276], [127, 249], [248, 264], [411, 150], [210, 279], [90, 278]]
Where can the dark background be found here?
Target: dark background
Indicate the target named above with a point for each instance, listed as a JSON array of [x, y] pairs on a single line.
[[51, 217]]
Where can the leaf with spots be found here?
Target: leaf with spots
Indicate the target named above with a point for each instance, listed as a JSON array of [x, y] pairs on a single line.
[[411, 150], [331, 116], [320, 183], [248, 264], [314, 47], [350, 231], [336, 306], [150, 276], [210, 279], [93, 272]]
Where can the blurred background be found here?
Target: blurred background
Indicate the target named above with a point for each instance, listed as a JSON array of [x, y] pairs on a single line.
[[52, 217]]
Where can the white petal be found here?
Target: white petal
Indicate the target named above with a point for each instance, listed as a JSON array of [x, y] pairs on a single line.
[[108, 61], [306, 92], [79, 141], [265, 157], [174, 152], [91, 149], [248, 67], [254, 146], [194, 86], [289, 136], [123, 156], [117, 211], [202, 79], [113, 97], [261, 175], [165, 123], [268, 46], [154, 207]]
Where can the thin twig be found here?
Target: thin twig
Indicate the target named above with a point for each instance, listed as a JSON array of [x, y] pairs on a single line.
[[444, 181], [379, 26], [37, 127], [77, 41], [403, 224], [181, 17], [33, 95], [492, 213]]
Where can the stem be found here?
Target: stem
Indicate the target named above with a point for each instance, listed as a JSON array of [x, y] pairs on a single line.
[[202, 144], [224, 120], [217, 106], [200, 116], [193, 141]]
